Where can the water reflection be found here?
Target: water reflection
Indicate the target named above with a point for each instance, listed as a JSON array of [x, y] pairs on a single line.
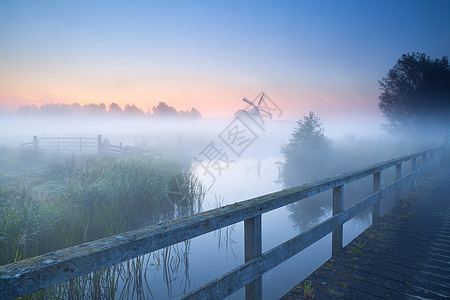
[[309, 212], [175, 270]]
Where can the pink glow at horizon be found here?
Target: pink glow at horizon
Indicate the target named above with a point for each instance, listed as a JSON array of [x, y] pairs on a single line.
[[325, 57]]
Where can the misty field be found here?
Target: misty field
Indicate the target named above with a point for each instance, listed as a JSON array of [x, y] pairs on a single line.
[[50, 202]]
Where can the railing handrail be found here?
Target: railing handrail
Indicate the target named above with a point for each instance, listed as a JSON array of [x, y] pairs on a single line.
[[85, 143], [29, 275], [67, 138]]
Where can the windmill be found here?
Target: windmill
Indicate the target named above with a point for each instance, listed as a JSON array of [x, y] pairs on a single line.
[[255, 110]]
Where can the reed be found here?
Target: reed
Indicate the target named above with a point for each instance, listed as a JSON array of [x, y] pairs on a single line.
[[76, 201]]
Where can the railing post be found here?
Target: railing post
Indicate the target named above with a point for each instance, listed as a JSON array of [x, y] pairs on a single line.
[[338, 206], [35, 143], [413, 168], [376, 211], [435, 155], [253, 249], [424, 161], [99, 147], [398, 176]]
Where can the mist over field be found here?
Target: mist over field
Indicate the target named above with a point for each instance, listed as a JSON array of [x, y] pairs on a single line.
[[134, 130], [354, 141], [90, 196], [156, 150]]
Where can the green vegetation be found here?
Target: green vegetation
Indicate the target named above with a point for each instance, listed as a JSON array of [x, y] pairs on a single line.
[[308, 148], [51, 202], [308, 289]]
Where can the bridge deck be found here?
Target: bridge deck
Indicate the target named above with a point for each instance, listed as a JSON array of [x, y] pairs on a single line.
[[405, 255]]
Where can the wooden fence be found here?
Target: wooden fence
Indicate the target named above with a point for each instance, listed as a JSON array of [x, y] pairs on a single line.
[[85, 146], [32, 274]]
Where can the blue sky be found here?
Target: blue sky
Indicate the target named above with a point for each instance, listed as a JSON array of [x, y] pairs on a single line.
[[325, 56]]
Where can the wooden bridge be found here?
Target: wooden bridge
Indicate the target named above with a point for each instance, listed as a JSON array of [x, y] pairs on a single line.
[[30, 275], [405, 255]]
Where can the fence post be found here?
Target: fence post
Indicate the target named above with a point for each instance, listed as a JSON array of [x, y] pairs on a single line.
[[35, 143], [413, 168], [398, 176], [253, 248], [424, 161], [338, 206], [376, 211], [99, 147]]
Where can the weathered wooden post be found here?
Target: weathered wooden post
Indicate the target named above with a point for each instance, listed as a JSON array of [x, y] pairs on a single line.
[[99, 150], [338, 206], [35, 143], [434, 156], [413, 168], [253, 248], [398, 176], [376, 211], [424, 161]]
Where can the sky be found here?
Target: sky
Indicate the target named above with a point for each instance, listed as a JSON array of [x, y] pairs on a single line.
[[321, 56]]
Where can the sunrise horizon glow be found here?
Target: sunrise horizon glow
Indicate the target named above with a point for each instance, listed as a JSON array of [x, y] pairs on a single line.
[[322, 56]]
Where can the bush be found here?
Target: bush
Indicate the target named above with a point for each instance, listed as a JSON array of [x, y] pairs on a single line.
[[307, 153]]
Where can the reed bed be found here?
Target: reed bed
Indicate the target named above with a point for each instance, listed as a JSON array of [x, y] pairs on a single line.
[[48, 203]]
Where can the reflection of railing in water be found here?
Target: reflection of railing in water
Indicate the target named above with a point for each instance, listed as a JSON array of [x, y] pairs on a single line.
[[79, 260], [131, 274]]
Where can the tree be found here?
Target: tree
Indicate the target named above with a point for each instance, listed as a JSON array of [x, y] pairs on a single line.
[[416, 92], [164, 110], [133, 109], [94, 108], [195, 114], [115, 108], [307, 151]]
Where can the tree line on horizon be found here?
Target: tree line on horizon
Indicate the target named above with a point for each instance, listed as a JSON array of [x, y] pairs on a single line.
[[114, 109]]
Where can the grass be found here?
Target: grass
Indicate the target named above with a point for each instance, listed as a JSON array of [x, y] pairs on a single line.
[[357, 249], [308, 289], [53, 202], [48, 203]]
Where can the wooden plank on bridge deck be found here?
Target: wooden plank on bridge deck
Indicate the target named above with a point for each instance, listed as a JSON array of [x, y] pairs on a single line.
[[405, 255]]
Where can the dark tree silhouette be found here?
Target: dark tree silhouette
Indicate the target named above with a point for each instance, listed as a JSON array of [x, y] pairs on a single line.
[[194, 113], [115, 108], [94, 108], [164, 110], [76, 107], [416, 92], [133, 109]]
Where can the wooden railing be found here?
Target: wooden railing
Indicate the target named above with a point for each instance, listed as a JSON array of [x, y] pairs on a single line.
[[32, 274], [85, 146], [65, 145]]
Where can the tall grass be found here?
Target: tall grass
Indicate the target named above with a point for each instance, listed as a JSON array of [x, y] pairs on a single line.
[[76, 201]]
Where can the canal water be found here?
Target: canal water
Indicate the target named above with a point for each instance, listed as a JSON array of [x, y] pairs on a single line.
[[204, 258]]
